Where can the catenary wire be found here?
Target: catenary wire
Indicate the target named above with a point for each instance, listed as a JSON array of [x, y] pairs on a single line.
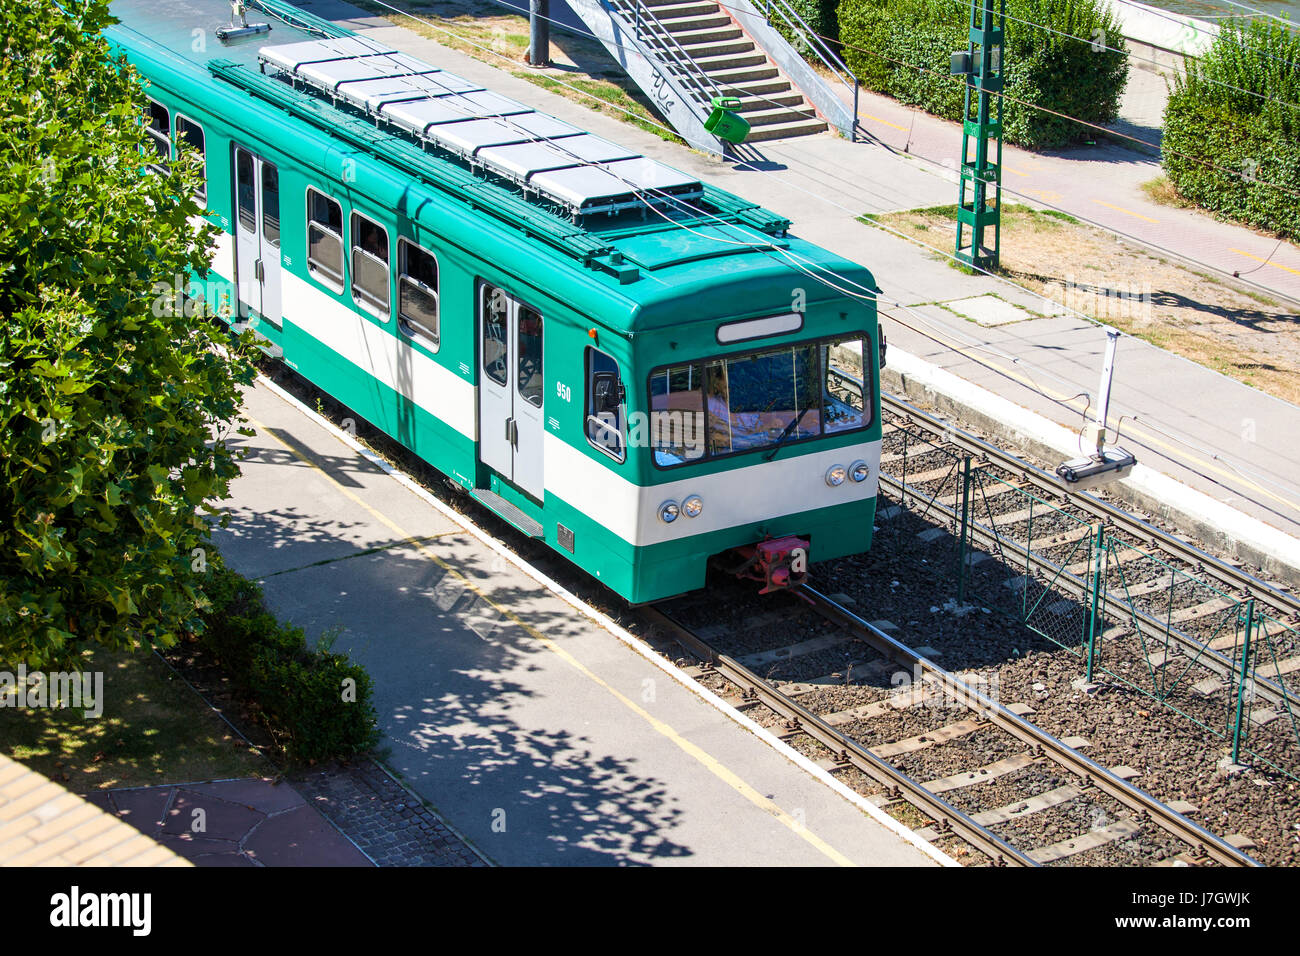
[[769, 172]]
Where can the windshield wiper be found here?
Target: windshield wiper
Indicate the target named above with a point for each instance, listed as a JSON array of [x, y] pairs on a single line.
[[786, 434]]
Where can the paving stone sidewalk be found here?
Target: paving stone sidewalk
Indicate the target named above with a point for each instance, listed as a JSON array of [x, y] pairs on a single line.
[[389, 824], [249, 822], [354, 815]]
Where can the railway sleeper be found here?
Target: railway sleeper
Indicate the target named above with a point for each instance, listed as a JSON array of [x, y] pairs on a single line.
[[931, 738], [1119, 830]]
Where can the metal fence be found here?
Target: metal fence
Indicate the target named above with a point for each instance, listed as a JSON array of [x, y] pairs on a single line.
[[1130, 617]]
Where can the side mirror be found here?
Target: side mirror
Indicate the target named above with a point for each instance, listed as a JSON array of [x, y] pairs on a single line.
[[608, 392]]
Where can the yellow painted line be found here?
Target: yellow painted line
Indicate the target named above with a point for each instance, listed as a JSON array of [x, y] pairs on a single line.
[[1266, 262], [1127, 212], [1046, 195], [707, 760], [877, 119], [1015, 171]]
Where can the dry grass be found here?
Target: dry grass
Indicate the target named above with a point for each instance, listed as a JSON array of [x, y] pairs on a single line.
[[1246, 336], [483, 31], [1162, 191]]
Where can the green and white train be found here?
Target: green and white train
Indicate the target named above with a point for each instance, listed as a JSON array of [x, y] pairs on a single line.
[[644, 371]]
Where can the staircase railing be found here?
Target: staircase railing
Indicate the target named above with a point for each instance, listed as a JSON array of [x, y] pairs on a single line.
[[789, 17], [651, 31]]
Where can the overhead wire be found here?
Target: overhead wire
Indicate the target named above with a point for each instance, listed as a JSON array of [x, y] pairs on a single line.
[[772, 248], [1086, 123]]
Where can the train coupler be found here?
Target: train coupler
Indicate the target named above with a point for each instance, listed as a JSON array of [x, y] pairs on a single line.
[[780, 563]]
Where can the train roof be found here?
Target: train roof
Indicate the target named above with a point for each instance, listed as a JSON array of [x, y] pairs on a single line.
[[610, 209]]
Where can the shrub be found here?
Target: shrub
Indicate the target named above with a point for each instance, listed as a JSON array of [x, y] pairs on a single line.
[[820, 15], [1072, 74], [297, 690], [114, 406], [1236, 153]]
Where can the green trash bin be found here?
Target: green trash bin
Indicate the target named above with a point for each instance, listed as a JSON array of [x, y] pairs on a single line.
[[725, 124]]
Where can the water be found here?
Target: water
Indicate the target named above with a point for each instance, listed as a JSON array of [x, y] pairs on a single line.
[[1215, 10]]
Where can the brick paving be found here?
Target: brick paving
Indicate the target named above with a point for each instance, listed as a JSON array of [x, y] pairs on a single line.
[[388, 823]]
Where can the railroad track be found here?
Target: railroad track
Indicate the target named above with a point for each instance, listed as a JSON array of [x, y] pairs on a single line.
[[1032, 745], [1192, 630], [935, 801], [1223, 573]]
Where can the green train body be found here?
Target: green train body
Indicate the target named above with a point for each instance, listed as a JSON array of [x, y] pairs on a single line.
[[637, 316]]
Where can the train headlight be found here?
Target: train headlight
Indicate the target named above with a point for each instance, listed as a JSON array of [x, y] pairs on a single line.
[[835, 475], [668, 512], [859, 470], [692, 506]]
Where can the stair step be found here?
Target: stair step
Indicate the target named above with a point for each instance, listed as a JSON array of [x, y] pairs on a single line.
[[694, 22], [770, 101], [783, 130], [697, 51], [735, 61], [770, 115], [658, 3], [762, 71], [744, 88], [673, 11], [508, 512], [690, 38]]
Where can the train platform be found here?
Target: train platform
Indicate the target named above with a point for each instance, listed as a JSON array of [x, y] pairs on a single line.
[[1213, 452], [541, 734]]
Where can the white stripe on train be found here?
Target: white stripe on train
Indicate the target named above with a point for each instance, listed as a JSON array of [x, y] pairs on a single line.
[[628, 510]]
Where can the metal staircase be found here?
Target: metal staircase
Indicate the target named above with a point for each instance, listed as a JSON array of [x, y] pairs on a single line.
[[683, 53]]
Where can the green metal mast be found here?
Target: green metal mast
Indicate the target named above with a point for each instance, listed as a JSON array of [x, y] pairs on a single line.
[[981, 174]]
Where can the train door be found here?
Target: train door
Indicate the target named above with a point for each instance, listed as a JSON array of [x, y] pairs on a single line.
[[511, 421], [257, 235]]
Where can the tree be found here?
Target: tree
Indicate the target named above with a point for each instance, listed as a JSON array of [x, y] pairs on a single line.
[[114, 405]]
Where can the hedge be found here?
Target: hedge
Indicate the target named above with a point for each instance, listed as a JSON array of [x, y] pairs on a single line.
[[820, 15], [1232, 152], [297, 691], [1072, 74]]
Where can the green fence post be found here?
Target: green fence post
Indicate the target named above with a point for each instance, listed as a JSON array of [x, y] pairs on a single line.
[[1241, 683], [963, 541], [1094, 609]]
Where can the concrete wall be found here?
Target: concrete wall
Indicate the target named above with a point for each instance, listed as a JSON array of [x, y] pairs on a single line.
[[1159, 35]]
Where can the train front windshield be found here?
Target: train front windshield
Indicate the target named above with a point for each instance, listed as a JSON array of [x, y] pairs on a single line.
[[758, 400]]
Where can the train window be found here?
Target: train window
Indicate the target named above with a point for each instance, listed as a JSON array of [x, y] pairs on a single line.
[[757, 400], [530, 356], [159, 127], [191, 133], [496, 334], [370, 265], [271, 204], [325, 239], [845, 405], [606, 406], [677, 414], [245, 190], [417, 293]]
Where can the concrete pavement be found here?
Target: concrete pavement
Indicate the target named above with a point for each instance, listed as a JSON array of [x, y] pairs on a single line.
[[540, 736]]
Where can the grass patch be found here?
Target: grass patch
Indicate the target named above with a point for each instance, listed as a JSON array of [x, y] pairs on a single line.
[[153, 730], [1237, 332], [1163, 191]]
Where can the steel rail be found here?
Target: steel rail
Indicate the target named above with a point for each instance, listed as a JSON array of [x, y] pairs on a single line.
[[1266, 688], [948, 818], [1093, 774], [1110, 514]]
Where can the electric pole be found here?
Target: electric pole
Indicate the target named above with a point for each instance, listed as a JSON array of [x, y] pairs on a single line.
[[981, 174]]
